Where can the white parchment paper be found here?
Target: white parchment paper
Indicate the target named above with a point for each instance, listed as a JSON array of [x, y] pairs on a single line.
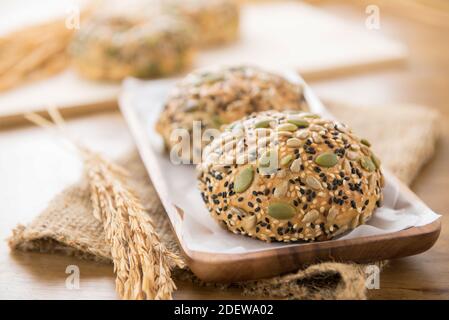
[[141, 103]]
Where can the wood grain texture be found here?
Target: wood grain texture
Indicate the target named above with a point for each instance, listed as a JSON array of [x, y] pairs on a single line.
[[238, 267]]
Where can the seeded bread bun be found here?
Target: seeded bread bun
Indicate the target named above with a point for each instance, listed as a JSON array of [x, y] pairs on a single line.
[[215, 21], [219, 96], [290, 176], [114, 45]]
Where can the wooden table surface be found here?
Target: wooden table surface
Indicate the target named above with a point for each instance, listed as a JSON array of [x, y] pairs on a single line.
[[33, 167]]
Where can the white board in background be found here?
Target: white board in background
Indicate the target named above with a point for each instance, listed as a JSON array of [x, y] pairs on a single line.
[[273, 34], [295, 35]]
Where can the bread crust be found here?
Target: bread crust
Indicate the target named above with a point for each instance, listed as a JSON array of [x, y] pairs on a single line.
[[321, 180], [221, 95], [112, 46]]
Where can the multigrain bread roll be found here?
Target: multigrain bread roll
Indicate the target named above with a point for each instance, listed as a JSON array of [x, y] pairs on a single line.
[[290, 176], [215, 21], [218, 96], [114, 45]]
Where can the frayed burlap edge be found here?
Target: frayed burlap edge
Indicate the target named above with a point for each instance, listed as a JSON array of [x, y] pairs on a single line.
[[404, 141]]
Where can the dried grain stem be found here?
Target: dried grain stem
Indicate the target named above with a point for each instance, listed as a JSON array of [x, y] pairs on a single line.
[[141, 262]]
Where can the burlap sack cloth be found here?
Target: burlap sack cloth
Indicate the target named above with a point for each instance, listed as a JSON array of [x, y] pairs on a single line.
[[403, 136]]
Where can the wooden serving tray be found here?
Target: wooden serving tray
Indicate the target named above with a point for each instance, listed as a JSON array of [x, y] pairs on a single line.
[[268, 261], [228, 268]]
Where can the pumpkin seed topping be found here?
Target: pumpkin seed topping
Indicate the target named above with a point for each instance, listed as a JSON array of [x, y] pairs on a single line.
[[238, 211], [375, 160], [293, 143], [316, 138], [311, 216], [281, 189], [244, 179], [217, 121], [303, 134], [281, 174], [296, 165], [365, 142], [313, 183], [285, 161], [367, 164], [311, 116], [300, 123], [287, 127], [366, 150], [249, 222], [332, 214], [287, 134], [264, 160], [262, 124], [351, 155], [326, 159], [281, 210]]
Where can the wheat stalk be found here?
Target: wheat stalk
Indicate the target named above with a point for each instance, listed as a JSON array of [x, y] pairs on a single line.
[[142, 264]]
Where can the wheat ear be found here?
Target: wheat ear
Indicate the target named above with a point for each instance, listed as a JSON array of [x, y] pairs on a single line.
[[142, 264]]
